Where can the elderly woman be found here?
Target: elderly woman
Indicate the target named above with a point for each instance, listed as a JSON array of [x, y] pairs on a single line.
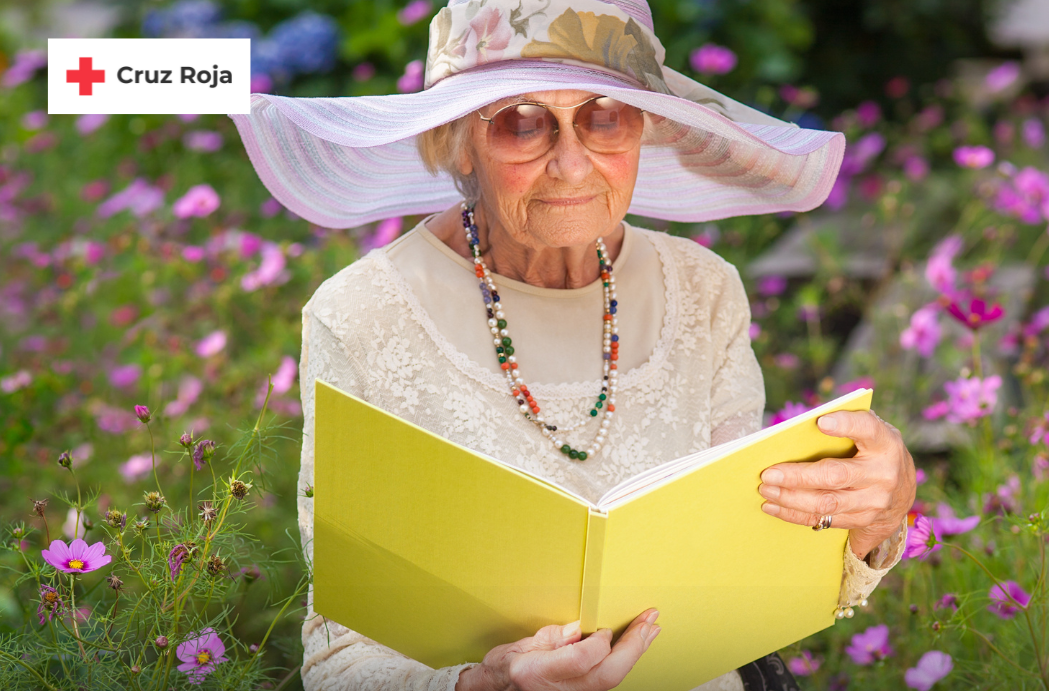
[[526, 319]]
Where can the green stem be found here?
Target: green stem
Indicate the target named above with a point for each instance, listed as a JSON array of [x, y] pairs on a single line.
[[1000, 653], [1038, 248], [245, 668], [174, 631], [34, 672], [76, 526], [76, 628], [153, 458]]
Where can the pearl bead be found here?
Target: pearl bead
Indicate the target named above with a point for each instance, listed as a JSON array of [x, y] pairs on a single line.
[[525, 408], [512, 358], [494, 330], [606, 349], [477, 260], [493, 322], [863, 602], [849, 614], [499, 314], [839, 614], [605, 423], [504, 332], [599, 439], [497, 341], [540, 420]]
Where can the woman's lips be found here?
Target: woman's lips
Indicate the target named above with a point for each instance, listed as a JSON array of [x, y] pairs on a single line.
[[568, 201]]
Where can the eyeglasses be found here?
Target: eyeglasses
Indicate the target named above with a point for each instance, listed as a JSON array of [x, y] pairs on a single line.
[[524, 132]]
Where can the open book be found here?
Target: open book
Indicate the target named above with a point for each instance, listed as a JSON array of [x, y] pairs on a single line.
[[442, 553]]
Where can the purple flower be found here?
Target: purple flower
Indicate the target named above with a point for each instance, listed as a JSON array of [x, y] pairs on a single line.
[[202, 140], [198, 201], [76, 557], [123, 376], [920, 539], [870, 646], [142, 413], [1004, 601], [34, 120], [939, 271], [946, 523], [362, 72], [271, 269], [188, 391], [212, 344], [973, 156], [412, 79], [769, 286], [283, 379], [193, 253], [136, 467], [859, 155], [933, 666], [270, 208], [1033, 133], [868, 113], [73, 527], [139, 197], [754, 331], [86, 124], [712, 59], [115, 420], [916, 168], [1002, 77], [16, 381], [804, 665], [176, 558], [202, 453], [924, 332], [50, 603], [786, 360], [1041, 431], [200, 655], [384, 234], [790, 410], [25, 66], [971, 399], [414, 11], [1003, 500], [948, 601]]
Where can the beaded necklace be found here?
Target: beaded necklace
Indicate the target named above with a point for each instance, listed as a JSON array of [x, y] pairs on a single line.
[[605, 405]]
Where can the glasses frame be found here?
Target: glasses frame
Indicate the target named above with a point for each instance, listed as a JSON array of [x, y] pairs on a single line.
[[547, 106]]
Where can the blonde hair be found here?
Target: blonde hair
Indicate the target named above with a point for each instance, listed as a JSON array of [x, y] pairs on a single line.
[[440, 150]]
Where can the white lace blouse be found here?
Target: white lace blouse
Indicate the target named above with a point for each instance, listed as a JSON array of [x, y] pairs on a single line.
[[405, 329]]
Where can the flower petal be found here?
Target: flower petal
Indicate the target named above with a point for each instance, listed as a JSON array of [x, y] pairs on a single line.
[[77, 548], [98, 563], [59, 549]]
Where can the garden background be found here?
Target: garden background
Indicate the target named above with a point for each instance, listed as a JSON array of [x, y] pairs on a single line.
[[143, 263]]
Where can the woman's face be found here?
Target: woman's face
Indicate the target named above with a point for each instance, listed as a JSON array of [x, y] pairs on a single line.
[[569, 196]]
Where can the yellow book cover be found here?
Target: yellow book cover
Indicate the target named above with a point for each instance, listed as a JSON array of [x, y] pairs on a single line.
[[442, 553]]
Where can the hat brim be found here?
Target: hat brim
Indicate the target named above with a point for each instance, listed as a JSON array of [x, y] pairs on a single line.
[[346, 161]]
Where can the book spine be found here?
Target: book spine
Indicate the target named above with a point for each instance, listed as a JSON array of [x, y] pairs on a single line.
[[595, 547]]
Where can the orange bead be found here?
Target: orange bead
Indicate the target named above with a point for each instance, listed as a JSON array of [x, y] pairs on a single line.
[[615, 355], [513, 365], [612, 366], [611, 408], [535, 409], [608, 317], [506, 365]]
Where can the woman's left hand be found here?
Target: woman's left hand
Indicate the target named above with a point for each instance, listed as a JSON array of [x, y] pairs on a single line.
[[869, 494]]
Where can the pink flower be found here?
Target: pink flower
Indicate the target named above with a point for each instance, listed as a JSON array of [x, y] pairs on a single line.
[[363, 71], [804, 665], [270, 208], [921, 539], [270, 271], [200, 655], [868, 113], [1033, 133], [143, 414], [919, 476], [76, 557], [123, 376], [786, 361], [136, 467], [769, 286], [139, 197], [115, 420], [1004, 499], [51, 604], [86, 124], [260, 84], [212, 344], [25, 66], [712, 59], [859, 155], [176, 558], [916, 168], [490, 34], [754, 331], [1041, 431], [924, 332], [1002, 77], [202, 140], [73, 527], [412, 79], [932, 667], [940, 273], [199, 201], [946, 523], [34, 120], [415, 11], [1039, 322], [192, 253], [1040, 467], [384, 234], [1005, 600], [936, 410], [189, 389], [971, 399], [973, 156], [855, 385], [948, 601], [790, 410], [187, 117], [14, 382], [870, 646]]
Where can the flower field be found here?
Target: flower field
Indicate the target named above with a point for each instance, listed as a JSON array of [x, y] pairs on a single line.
[[150, 297]]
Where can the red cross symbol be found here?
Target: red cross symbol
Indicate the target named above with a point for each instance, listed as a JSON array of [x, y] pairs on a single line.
[[85, 77]]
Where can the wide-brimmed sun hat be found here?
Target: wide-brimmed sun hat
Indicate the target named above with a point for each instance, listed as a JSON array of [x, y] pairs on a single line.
[[344, 161]]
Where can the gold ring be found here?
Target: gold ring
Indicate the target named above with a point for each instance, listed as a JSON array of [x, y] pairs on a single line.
[[823, 523]]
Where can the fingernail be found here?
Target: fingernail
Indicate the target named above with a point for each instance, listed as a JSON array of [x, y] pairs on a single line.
[[770, 509], [569, 630], [772, 477], [654, 633], [646, 630], [827, 423], [769, 491], [651, 618]]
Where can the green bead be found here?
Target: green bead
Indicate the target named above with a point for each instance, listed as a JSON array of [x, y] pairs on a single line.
[[573, 454], [582, 455], [565, 449], [606, 284], [501, 323], [602, 397], [506, 341], [501, 359], [499, 349], [509, 349], [600, 404], [593, 413]]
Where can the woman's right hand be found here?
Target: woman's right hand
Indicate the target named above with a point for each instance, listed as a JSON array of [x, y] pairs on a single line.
[[556, 659]]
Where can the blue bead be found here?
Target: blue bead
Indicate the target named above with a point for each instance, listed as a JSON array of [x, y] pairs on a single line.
[[611, 310], [615, 337], [608, 356], [473, 228], [614, 303], [487, 299]]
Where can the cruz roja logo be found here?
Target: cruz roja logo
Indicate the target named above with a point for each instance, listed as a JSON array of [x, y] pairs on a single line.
[[86, 77]]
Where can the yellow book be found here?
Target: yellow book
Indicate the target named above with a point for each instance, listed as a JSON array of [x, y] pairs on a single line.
[[442, 553]]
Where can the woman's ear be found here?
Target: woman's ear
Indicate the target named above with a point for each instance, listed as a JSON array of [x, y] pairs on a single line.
[[465, 164]]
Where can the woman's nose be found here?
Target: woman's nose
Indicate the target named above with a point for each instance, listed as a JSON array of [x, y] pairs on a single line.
[[571, 160]]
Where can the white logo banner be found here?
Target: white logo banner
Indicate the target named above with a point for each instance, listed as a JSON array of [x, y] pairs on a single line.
[[164, 76]]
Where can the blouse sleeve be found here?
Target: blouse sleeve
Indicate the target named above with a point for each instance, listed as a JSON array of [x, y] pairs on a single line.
[[336, 658], [738, 402]]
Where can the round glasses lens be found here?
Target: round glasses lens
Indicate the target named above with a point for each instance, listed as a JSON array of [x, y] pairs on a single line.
[[521, 133], [608, 126]]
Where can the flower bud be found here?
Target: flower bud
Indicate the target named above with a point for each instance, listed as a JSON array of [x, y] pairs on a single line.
[[141, 525], [116, 519], [202, 453], [136, 669], [216, 566], [65, 460], [253, 648], [186, 440], [914, 609], [936, 626], [142, 413], [155, 501], [39, 505], [114, 582], [208, 512], [17, 533], [161, 642], [308, 492], [239, 489]]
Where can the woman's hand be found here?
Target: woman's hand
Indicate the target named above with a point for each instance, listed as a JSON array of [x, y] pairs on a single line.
[[869, 494], [556, 659]]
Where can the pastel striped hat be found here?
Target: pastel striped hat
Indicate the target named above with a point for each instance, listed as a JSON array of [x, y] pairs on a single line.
[[341, 162]]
